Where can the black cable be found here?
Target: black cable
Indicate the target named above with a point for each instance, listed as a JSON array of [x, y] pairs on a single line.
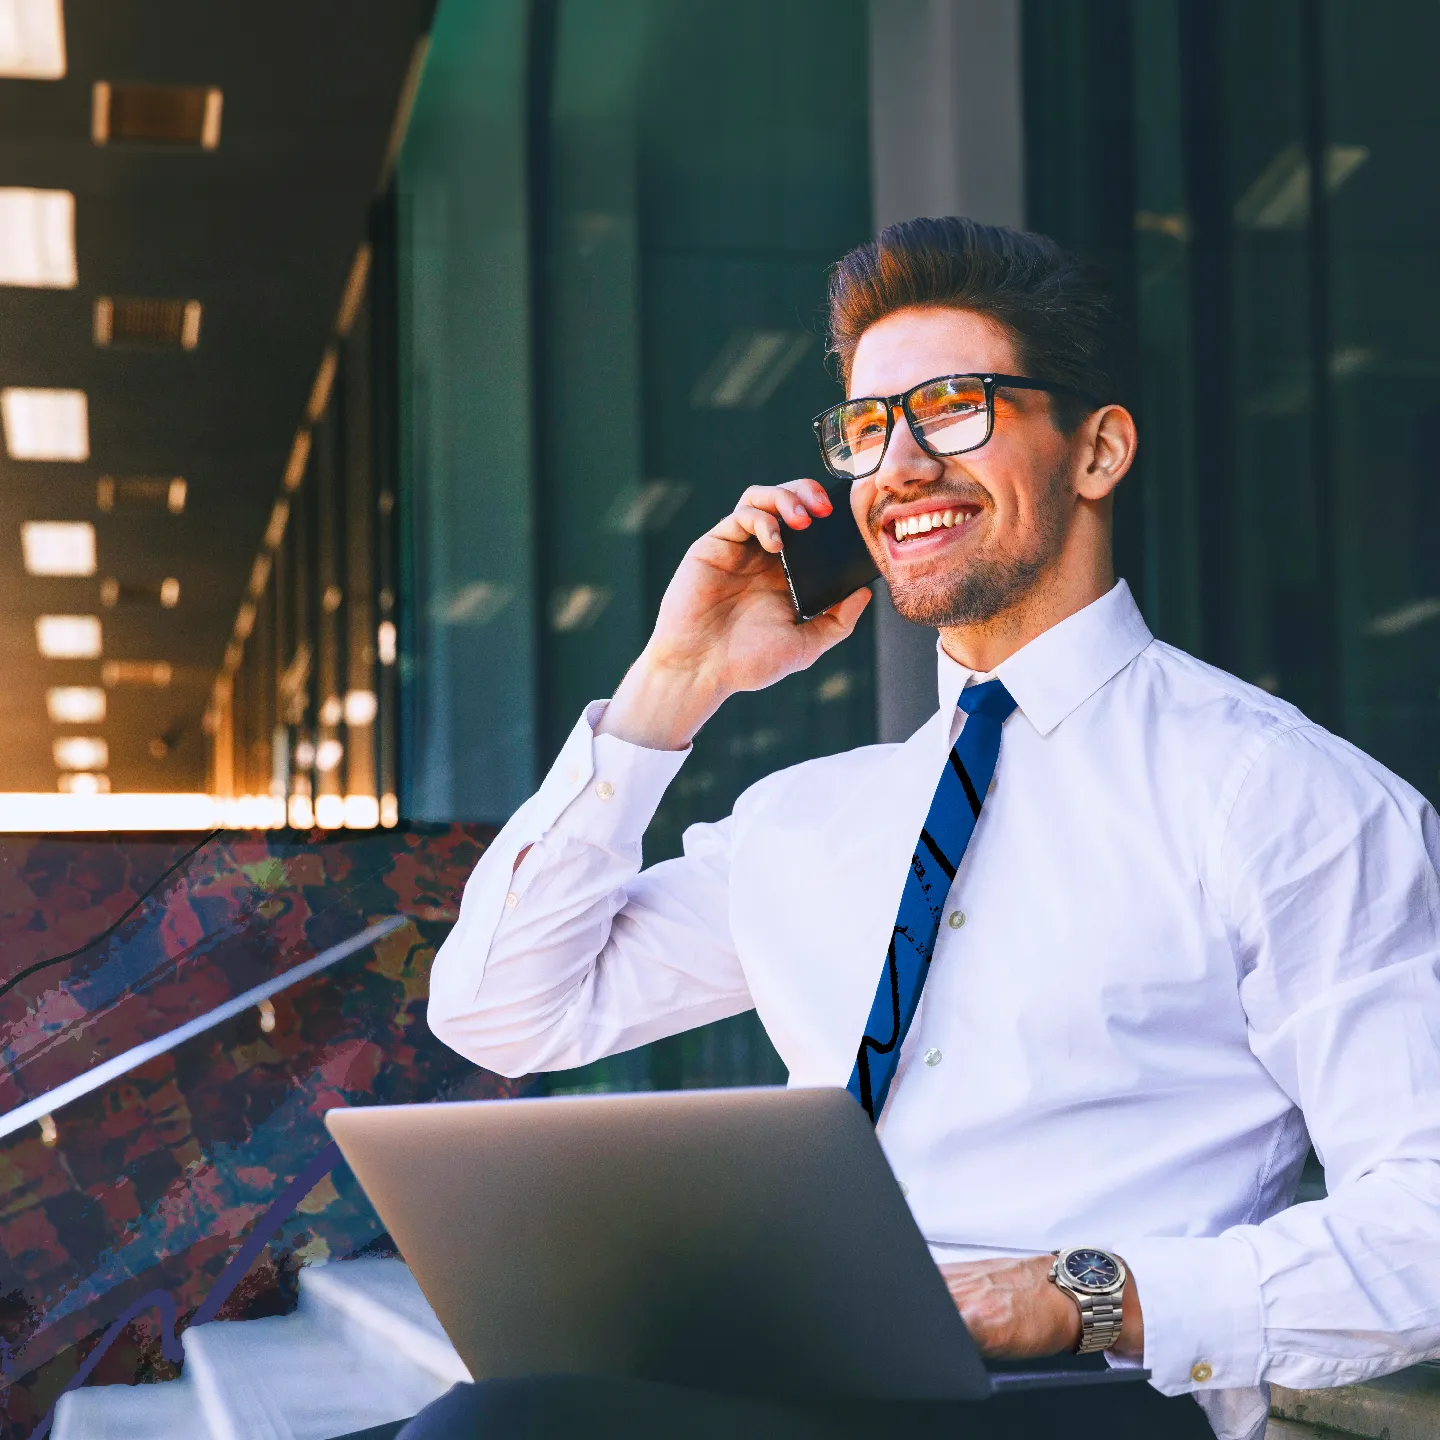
[[109, 930]]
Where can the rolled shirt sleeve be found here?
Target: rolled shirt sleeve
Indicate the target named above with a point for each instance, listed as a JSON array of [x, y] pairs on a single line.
[[576, 954], [1334, 912]]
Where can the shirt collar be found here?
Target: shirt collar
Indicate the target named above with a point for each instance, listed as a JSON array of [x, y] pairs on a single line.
[[1063, 667]]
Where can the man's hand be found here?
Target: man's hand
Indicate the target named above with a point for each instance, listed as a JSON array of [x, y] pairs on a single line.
[[726, 623], [1015, 1313]]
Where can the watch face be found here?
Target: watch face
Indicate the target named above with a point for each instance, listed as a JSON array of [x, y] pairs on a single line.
[[1092, 1269]]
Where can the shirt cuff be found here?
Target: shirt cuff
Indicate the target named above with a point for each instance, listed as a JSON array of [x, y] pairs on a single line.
[[603, 789], [1200, 1296]]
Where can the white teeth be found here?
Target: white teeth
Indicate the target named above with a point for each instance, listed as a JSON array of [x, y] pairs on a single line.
[[908, 525]]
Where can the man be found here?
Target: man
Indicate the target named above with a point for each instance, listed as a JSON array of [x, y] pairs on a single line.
[[1103, 946]]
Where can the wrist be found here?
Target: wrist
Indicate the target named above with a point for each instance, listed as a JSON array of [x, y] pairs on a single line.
[[660, 704], [1131, 1344], [1097, 1284], [1067, 1319]]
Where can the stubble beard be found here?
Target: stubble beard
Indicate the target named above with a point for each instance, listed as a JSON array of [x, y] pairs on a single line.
[[987, 586]]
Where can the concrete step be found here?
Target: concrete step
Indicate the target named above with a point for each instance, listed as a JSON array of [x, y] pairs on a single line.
[[363, 1348], [1276, 1429], [377, 1302], [295, 1378], [169, 1410], [1398, 1407]]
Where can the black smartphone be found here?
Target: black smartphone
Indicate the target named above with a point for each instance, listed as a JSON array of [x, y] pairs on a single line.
[[826, 561]]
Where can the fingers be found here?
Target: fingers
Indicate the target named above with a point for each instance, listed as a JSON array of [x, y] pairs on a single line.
[[750, 520], [814, 495], [762, 508]]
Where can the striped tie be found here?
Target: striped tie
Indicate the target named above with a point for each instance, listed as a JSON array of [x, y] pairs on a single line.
[[938, 853]]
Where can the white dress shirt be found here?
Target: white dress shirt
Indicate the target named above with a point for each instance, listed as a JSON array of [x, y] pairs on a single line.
[[1193, 932]]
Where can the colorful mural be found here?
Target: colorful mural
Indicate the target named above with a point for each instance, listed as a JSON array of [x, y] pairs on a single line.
[[146, 1190]]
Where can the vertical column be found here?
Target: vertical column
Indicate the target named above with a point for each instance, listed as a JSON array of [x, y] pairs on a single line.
[[385, 389], [945, 139], [222, 782], [1324, 701], [468, 639], [329, 679], [1211, 226], [589, 437], [283, 648], [298, 678], [362, 806], [235, 725], [1166, 472], [244, 711], [260, 655]]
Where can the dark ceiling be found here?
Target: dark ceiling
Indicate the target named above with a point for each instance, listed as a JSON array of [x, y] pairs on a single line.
[[262, 231]]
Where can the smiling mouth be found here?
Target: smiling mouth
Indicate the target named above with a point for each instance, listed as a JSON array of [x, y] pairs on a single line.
[[905, 529]]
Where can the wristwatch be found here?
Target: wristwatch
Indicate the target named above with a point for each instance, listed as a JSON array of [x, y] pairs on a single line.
[[1095, 1281]]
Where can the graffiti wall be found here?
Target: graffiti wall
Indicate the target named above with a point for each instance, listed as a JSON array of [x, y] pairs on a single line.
[[198, 1181]]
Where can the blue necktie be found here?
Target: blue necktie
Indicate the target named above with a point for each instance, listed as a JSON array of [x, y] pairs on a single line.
[[938, 853]]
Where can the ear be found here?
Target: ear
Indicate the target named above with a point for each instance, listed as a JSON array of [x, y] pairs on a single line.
[[1107, 442]]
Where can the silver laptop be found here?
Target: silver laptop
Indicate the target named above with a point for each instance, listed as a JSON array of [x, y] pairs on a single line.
[[749, 1241]]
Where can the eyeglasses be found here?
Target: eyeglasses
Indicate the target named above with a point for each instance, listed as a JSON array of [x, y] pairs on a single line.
[[947, 416]]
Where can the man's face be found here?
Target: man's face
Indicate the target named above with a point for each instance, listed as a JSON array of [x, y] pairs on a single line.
[[1001, 513]]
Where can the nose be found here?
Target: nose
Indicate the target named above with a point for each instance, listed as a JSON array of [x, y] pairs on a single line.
[[905, 464]]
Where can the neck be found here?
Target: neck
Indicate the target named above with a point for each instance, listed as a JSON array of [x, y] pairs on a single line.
[[1079, 577]]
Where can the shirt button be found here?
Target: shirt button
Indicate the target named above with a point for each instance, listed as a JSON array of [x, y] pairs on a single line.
[[605, 790], [904, 1188], [957, 919], [511, 900], [933, 1057], [1201, 1373], [572, 774]]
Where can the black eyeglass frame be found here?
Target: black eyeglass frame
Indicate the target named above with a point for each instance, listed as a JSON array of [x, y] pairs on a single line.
[[990, 381]]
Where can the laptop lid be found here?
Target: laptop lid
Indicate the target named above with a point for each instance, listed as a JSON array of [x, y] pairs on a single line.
[[751, 1241]]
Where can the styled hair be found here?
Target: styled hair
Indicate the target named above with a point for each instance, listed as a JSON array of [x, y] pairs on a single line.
[[1064, 318]]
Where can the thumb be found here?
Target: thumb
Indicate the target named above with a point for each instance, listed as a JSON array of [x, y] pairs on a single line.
[[836, 623]]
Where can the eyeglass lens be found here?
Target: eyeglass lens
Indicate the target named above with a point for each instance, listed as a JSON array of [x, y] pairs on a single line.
[[950, 416]]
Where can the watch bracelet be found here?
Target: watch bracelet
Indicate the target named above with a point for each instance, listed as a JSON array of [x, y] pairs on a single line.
[[1100, 1322]]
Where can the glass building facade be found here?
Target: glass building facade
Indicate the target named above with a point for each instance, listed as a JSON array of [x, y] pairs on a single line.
[[600, 357], [612, 260], [1252, 174], [612, 275]]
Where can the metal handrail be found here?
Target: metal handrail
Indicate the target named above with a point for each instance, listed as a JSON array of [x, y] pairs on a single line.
[[33, 1111]]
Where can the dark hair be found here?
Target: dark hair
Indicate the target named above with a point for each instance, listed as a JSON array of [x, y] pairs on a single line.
[[1065, 319]]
